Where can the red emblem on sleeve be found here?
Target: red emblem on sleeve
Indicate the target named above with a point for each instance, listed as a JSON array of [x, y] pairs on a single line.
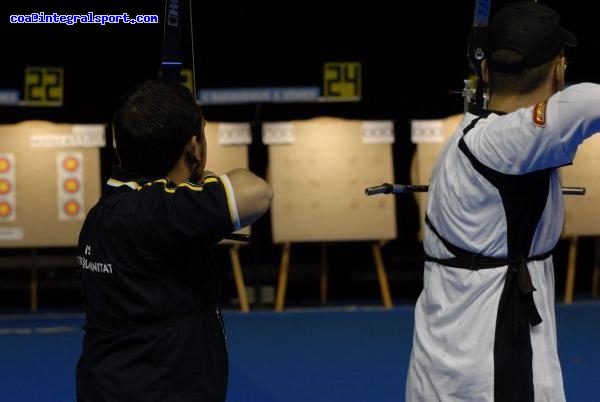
[[539, 114]]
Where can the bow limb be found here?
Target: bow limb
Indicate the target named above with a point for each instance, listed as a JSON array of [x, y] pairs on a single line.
[[176, 12]]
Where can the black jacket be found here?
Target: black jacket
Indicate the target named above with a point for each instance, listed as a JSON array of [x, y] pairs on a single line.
[[151, 289]]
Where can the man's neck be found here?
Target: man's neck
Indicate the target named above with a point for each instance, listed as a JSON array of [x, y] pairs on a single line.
[[180, 172], [510, 103]]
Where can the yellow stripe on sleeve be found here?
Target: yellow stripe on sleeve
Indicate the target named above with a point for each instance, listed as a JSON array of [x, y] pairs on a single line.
[[164, 182], [191, 186]]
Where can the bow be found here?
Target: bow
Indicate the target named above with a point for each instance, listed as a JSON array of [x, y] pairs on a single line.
[[171, 65], [175, 18], [476, 51]]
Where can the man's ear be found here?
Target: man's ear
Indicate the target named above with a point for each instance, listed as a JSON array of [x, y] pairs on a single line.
[[114, 143], [193, 150], [195, 155], [485, 72], [559, 75]]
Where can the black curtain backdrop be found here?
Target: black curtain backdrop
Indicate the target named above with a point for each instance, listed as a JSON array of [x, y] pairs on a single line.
[[413, 60]]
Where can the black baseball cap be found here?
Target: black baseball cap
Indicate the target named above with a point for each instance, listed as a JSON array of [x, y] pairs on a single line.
[[529, 28]]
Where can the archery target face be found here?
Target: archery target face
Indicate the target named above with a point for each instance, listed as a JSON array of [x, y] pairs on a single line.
[[8, 197], [5, 186], [5, 163], [70, 185], [70, 163]]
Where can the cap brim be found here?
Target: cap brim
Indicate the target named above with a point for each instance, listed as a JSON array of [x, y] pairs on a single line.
[[568, 38]]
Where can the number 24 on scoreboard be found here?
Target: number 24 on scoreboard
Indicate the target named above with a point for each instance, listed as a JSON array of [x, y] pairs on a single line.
[[342, 81]]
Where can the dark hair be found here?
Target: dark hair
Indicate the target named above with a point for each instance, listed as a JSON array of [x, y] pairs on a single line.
[[152, 125], [516, 83]]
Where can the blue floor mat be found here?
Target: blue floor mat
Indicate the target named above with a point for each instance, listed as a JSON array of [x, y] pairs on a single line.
[[308, 355]]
